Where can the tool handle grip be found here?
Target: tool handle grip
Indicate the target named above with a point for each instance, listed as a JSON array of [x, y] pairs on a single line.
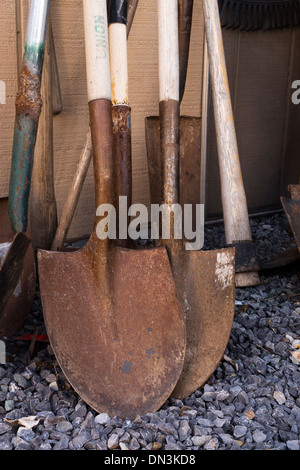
[[117, 18], [117, 11], [97, 49]]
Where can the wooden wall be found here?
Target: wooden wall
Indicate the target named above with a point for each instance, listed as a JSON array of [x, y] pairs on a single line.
[[70, 127]]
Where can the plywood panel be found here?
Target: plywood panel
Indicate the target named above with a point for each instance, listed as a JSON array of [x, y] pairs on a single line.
[[8, 76]]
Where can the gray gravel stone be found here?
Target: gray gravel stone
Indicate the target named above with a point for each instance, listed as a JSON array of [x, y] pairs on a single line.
[[239, 431], [251, 401]]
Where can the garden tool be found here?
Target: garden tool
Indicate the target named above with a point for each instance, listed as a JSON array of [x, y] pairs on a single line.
[[107, 309], [204, 279], [82, 168], [291, 207], [17, 297], [234, 202]]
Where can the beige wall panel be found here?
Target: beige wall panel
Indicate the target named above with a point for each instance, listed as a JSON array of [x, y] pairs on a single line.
[[8, 76]]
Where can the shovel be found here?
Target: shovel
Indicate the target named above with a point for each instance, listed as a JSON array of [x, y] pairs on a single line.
[[17, 297], [204, 280], [108, 310]]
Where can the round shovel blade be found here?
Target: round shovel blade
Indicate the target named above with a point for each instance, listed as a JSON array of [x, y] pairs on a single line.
[[115, 325], [206, 287]]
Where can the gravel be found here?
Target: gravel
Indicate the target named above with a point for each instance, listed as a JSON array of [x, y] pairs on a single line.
[[251, 402]]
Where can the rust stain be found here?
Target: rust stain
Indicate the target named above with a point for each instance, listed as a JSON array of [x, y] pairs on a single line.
[[29, 100]]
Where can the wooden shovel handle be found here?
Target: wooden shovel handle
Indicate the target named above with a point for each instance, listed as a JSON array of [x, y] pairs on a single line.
[[237, 226]]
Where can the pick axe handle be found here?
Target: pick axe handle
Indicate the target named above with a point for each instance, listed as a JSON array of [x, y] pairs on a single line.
[[237, 225]]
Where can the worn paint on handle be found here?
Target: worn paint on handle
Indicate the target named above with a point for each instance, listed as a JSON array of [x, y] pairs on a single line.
[[28, 110]]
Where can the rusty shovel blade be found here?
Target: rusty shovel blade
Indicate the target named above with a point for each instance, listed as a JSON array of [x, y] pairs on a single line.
[[292, 211], [17, 275], [112, 314]]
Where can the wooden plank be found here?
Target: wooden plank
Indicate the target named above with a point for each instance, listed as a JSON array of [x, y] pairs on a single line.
[[8, 76]]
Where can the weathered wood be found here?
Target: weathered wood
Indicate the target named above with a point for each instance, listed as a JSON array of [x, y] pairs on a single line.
[[73, 195], [234, 202]]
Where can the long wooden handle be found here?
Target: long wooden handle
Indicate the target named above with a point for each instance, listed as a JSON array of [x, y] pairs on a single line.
[[184, 26], [73, 195], [28, 109], [235, 210], [237, 226], [42, 203], [82, 169], [121, 112], [56, 89]]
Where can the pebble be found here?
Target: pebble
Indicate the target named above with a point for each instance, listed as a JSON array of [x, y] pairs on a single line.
[[251, 401]]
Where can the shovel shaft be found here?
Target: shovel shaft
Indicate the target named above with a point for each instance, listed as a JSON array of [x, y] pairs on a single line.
[[28, 110], [99, 96], [168, 50]]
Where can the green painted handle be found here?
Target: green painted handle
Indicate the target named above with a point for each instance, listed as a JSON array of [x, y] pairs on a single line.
[[28, 110]]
